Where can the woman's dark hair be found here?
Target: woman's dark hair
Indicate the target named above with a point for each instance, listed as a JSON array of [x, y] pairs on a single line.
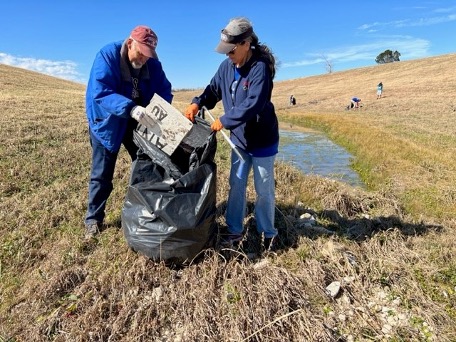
[[263, 51]]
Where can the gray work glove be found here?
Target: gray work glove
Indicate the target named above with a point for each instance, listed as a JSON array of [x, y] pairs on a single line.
[[139, 114]]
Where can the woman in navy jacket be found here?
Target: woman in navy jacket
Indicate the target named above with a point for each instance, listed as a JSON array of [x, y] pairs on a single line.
[[244, 82], [124, 77]]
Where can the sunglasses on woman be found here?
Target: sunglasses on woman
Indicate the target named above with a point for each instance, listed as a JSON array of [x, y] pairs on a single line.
[[232, 51]]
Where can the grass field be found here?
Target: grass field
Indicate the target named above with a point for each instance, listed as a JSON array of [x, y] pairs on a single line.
[[390, 247]]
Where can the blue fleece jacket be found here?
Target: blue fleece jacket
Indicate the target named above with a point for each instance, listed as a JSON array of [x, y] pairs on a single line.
[[110, 91], [249, 112]]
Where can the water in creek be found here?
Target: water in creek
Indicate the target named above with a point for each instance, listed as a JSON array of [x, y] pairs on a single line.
[[313, 153]]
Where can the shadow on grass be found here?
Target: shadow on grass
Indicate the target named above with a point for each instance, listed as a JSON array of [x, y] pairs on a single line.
[[353, 228], [291, 227]]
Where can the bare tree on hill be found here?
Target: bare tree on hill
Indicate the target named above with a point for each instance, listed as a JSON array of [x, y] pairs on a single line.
[[328, 64]]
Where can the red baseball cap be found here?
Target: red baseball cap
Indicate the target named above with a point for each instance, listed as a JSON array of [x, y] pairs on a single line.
[[147, 40]]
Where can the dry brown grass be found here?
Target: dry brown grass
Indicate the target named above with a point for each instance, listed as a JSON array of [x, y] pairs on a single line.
[[404, 143], [395, 266]]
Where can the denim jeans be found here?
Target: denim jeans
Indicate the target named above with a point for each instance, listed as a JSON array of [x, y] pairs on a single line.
[[263, 176], [101, 175]]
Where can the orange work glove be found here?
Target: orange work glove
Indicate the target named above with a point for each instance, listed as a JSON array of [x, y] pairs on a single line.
[[191, 112], [216, 125]]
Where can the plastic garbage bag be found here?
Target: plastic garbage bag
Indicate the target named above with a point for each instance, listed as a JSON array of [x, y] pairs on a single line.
[[170, 206]]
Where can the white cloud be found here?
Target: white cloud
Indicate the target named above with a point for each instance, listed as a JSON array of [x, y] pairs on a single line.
[[414, 23], [427, 21], [407, 46], [445, 10], [379, 25], [61, 69]]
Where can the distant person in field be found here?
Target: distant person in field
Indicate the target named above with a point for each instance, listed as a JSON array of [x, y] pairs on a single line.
[[244, 82], [124, 77], [355, 102], [379, 90], [292, 100]]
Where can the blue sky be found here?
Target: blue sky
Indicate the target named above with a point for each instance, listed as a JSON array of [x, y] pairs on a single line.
[[61, 38]]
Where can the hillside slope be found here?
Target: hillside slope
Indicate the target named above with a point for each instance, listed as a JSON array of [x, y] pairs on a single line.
[[422, 84], [390, 248]]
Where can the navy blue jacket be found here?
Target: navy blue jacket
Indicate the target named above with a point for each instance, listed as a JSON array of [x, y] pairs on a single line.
[[109, 92], [249, 112]]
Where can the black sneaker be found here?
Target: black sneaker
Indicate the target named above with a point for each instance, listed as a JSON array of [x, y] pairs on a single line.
[[231, 240], [92, 229]]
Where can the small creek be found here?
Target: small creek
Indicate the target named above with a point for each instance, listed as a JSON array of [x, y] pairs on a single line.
[[313, 153]]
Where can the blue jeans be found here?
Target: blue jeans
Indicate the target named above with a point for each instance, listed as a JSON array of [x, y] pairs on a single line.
[[263, 176], [101, 175]]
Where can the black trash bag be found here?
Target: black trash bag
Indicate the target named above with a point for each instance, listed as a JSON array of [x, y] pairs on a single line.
[[170, 206]]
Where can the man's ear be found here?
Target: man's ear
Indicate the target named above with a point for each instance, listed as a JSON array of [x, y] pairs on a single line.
[[129, 42]]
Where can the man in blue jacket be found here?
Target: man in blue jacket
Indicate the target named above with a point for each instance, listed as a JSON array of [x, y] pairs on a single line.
[[124, 77]]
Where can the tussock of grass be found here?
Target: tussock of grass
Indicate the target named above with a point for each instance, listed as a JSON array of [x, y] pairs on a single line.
[[390, 247]]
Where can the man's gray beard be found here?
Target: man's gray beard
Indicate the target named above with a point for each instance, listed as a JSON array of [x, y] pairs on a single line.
[[136, 65]]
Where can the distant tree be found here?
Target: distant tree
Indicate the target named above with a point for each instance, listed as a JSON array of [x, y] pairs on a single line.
[[388, 56], [396, 56], [328, 64]]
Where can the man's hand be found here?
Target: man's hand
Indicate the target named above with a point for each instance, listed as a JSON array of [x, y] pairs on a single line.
[[139, 114], [191, 112], [216, 125]]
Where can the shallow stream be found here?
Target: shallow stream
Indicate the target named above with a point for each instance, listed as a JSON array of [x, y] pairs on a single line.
[[313, 153]]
